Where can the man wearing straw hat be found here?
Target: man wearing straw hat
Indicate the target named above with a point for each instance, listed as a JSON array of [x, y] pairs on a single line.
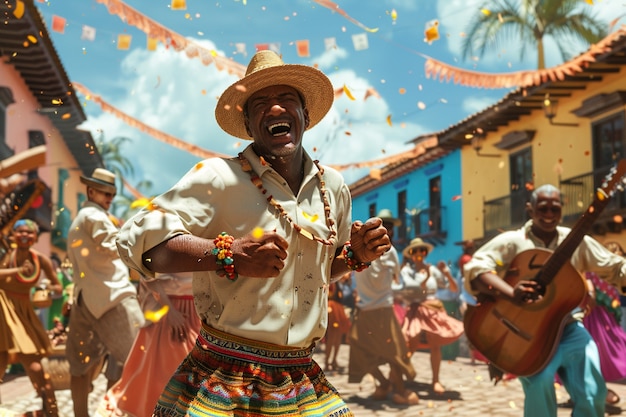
[[264, 234], [105, 314], [375, 337]]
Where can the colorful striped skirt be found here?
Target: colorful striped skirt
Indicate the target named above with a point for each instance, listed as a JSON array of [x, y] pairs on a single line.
[[226, 375]]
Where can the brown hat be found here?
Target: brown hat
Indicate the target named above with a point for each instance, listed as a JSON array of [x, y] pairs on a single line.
[[416, 243], [101, 179], [267, 69], [386, 216]]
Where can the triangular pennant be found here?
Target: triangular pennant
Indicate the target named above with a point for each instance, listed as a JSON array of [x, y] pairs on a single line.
[[123, 41], [151, 44], [58, 24], [360, 41], [303, 48], [89, 33]]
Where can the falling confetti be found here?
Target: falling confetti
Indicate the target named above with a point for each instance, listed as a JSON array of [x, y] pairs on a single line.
[[348, 93], [431, 33], [389, 120], [155, 316], [257, 233], [311, 218], [394, 16], [140, 203]]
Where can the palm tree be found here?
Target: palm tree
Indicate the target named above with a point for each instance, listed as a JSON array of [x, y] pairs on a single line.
[[115, 161], [531, 21]]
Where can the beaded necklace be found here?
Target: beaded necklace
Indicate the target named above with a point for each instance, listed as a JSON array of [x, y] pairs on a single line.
[[256, 180], [36, 269]]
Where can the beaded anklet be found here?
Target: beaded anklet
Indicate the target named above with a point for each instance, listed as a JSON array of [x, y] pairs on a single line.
[[224, 255], [348, 257]]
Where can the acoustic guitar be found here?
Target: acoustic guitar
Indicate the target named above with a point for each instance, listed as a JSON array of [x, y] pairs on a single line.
[[521, 338]]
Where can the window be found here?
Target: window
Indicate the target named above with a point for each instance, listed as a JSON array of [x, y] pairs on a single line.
[[434, 194], [6, 98], [608, 147], [521, 182], [402, 230]]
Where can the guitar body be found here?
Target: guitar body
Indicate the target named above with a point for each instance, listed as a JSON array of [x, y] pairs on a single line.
[[521, 338]]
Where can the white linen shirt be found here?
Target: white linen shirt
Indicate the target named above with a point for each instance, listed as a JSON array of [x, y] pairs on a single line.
[[98, 272], [499, 252], [418, 286], [218, 196], [374, 284]]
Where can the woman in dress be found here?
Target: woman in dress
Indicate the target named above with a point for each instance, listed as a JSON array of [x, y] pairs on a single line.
[[22, 335], [603, 323], [167, 303], [426, 323]]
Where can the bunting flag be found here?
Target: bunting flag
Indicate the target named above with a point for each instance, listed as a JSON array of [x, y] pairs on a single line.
[[241, 48], [176, 41], [58, 24], [170, 38], [419, 149], [330, 43], [179, 5], [151, 44], [89, 33], [468, 78], [335, 8], [360, 41], [157, 134], [303, 49], [123, 41], [203, 153]]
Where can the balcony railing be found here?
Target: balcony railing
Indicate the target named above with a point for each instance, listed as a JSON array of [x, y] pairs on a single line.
[[431, 224], [505, 213], [509, 212]]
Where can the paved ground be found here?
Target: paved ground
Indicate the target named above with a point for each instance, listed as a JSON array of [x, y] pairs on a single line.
[[470, 393]]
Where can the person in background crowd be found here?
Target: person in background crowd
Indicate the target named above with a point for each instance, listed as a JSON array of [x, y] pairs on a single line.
[[22, 335], [167, 303], [264, 233], [105, 314], [375, 338], [575, 359], [426, 323], [603, 323], [338, 326], [55, 313]]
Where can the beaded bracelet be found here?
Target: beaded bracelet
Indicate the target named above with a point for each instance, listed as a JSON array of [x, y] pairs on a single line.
[[348, 257], [224, 255]]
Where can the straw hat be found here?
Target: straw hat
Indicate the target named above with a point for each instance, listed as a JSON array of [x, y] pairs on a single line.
[[386, 216], [267, 69], [101, 179], [416, 243]]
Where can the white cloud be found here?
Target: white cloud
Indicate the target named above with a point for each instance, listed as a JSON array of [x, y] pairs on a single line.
[[177, 95]]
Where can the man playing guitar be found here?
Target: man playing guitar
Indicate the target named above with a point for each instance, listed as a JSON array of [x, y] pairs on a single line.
[[521, 254]]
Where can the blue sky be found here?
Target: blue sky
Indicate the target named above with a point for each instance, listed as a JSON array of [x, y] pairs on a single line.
[[177, 94]]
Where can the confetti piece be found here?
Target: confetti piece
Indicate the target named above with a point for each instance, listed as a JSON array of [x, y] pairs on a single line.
[[179, 5], [421, 105], [310, 218], [512, 404], [155, 316], [486, 12], [389, 120], [348, 93], [431, 33], [140, 203], [76, 243], [257, 233], [19, 9], [394, 16]]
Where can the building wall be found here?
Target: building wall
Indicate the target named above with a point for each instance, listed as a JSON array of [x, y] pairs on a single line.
[[557, 152], [416, 184], [22, 117]]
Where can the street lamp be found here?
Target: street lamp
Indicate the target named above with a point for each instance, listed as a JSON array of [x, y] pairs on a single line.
[[550, 108]]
